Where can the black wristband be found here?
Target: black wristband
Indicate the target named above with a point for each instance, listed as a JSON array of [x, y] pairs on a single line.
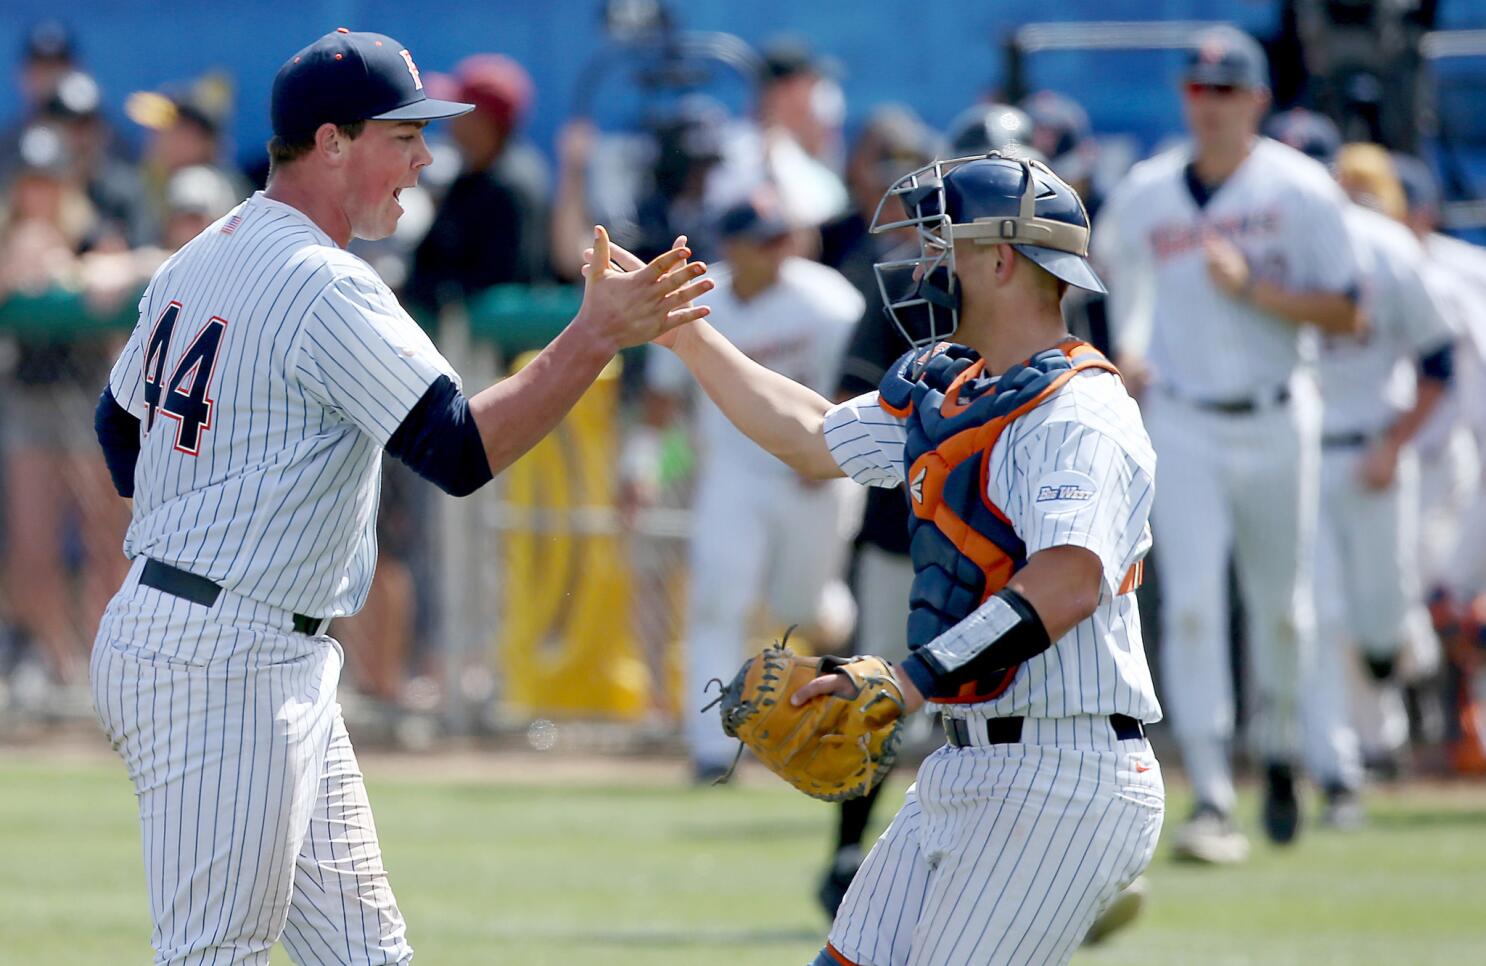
[[940, 667]]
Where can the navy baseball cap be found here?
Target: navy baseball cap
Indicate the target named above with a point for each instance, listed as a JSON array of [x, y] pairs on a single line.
[[1307, 132], [1227, 56], [349, 76], [757, 219]]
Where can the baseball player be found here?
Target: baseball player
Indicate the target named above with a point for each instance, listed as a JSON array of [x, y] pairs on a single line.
[[1222, 255], [1453, 494], [760, 531], [1030, 478], [246, 419], [1377, 389]]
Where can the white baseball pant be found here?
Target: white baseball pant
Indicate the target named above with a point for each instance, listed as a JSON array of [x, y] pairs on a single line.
[[1366, 583], [1005, 854], [1244, 485], [256, 822]]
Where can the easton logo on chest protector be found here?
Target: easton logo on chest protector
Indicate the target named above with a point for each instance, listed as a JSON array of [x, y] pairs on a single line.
[[964, 548]]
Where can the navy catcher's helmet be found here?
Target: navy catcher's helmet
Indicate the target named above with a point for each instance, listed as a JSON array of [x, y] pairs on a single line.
[[989, 199]]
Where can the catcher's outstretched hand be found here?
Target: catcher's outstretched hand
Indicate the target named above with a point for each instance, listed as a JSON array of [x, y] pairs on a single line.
[[843, 686], [633, 307], [623, 260]]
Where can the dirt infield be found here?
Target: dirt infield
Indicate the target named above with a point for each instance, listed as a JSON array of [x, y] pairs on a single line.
[[513, 761]]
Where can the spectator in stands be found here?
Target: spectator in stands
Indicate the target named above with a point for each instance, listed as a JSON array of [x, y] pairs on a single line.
[[893, 142], [51, 469], [491, 227], [47, 54], [685, 147], [187, 125], [794, 144], [113, 183]]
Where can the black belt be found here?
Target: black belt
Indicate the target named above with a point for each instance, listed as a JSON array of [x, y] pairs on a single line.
[[1008, 731], [199, 590], [1345, 440], [1238, 407]]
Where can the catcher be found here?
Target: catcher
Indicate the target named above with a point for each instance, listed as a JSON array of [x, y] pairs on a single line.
[[1030, 479]]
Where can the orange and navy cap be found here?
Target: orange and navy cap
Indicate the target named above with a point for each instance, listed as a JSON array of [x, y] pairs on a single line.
[[348, 76]]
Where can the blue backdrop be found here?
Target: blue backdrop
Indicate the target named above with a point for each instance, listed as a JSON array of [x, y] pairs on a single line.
[[936, 55]]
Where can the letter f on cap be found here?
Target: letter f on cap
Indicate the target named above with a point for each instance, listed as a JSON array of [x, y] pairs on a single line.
[[412, 68]]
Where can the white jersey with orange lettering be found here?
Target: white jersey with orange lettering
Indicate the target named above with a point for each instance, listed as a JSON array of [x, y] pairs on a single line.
[[1235, 419], [1283, 212], [268, 370]]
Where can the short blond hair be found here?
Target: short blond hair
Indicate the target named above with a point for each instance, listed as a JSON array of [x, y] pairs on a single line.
[[1367, 173]]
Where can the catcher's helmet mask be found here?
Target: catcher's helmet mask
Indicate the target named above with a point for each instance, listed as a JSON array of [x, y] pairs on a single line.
[[996, 211]]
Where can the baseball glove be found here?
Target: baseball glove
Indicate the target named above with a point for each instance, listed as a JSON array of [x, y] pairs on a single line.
[[832, 747]]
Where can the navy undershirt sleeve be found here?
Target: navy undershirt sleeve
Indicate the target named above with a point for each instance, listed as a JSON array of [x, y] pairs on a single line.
[[439, 439], [1438, 365], [118, 434]]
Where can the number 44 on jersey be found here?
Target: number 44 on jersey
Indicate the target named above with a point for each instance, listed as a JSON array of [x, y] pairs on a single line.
[[186, 396]]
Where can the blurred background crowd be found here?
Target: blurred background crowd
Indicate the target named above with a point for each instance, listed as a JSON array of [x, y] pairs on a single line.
[[770, 147]]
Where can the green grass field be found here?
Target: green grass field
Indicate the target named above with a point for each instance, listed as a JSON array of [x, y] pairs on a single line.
[[492, 871]]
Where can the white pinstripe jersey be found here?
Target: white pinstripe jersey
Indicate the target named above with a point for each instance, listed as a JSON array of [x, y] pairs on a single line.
[[1078, 470], [1280, 208], [268, 369]]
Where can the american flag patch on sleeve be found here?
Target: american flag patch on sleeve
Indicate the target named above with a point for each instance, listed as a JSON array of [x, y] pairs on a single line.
[[232, 224]]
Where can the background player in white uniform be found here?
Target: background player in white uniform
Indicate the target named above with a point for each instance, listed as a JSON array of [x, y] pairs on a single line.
[[1220, 255], [1377, 390], [1454, 491], [1048, 799], [246, 419], [759, 530]]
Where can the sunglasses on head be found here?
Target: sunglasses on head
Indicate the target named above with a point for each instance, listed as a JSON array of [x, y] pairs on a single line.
[[1198, 89]]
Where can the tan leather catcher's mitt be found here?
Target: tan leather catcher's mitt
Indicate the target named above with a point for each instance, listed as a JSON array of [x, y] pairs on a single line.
[[832, 747]]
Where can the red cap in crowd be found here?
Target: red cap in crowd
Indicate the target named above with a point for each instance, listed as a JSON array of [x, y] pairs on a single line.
[[499, 87]]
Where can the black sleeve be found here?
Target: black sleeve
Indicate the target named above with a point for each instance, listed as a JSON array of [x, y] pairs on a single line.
[[118, 434], [440, 441], [1439, 365]]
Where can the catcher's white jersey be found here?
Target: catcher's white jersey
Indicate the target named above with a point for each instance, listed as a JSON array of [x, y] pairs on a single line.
[[268, 369], [1005, 852], [1367, 380], [1280, 208], [798, 327], [1086, 440]]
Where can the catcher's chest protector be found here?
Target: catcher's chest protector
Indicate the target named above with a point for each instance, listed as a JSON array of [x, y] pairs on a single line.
[[964, 548]]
